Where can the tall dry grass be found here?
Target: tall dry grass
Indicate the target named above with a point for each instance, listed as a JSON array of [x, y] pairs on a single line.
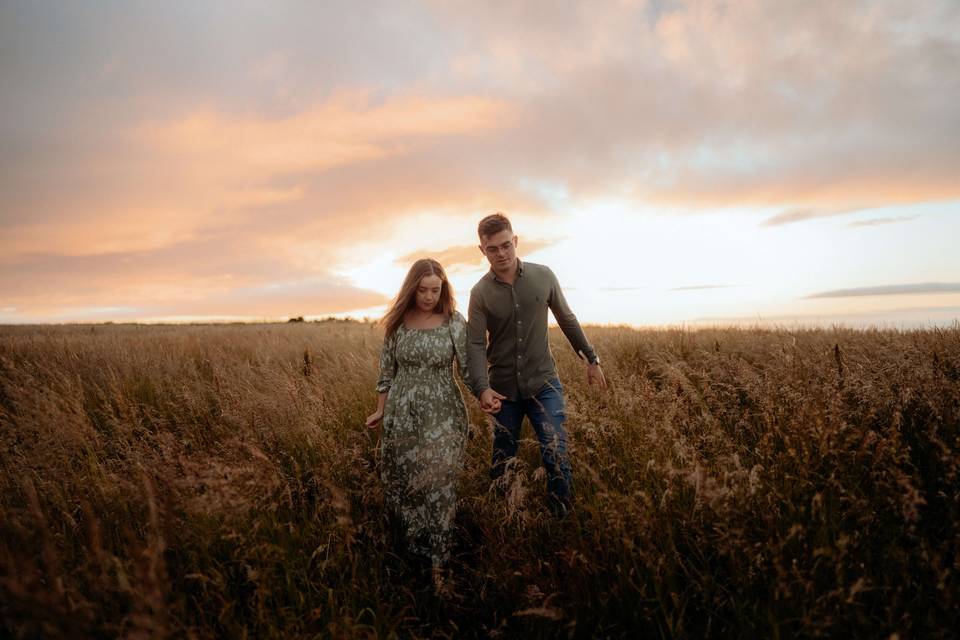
[[216, 481]]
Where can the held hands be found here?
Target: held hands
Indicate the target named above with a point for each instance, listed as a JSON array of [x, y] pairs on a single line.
[[374, 418], [595, 376], [490, 401]]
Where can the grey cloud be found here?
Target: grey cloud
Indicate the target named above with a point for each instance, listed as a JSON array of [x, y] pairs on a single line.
[[810, 106], [891, 290], [802, 215], [795, 215], [78, 78], [881, 221], [119, 53]]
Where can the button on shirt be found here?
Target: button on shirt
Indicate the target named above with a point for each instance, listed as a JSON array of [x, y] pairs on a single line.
[[507, 331]]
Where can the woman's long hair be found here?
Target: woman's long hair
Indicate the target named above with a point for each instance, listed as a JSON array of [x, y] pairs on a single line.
[[407, 298]]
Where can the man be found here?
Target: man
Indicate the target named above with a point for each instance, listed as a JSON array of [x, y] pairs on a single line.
[[507, 330]]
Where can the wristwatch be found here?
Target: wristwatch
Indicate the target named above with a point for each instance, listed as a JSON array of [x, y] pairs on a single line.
[[594, 360]]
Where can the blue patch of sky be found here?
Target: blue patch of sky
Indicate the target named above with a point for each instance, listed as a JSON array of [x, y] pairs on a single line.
[[552, 193], [730, 156]]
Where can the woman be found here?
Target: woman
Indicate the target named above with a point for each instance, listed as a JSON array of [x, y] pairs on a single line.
[[422, 410]]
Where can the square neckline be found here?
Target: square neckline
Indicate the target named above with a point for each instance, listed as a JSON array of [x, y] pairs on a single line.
[[446, 321]]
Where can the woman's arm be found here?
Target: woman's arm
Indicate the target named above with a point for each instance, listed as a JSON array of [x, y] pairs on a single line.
[[458, 333], [374, 418], [388, 368]]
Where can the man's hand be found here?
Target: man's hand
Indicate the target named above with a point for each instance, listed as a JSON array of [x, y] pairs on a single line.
[[595, 375], [490, 401]]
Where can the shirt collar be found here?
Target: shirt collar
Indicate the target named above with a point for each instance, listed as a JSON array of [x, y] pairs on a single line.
[[493, 276]]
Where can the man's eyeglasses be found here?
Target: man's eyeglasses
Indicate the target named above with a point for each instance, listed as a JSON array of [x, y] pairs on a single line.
[[492, 249]]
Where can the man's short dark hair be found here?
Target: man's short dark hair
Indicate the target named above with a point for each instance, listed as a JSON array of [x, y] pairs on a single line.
[[493, 224]]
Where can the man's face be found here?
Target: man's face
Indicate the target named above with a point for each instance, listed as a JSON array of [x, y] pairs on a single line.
[[500, 250]]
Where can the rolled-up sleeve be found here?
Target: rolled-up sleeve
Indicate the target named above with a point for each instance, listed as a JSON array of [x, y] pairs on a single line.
[[388, 364]]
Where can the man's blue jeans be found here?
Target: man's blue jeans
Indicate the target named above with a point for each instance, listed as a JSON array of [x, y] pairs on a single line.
[[546, 413]]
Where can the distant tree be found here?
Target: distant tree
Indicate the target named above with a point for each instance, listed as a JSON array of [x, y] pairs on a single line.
[[297, 319]]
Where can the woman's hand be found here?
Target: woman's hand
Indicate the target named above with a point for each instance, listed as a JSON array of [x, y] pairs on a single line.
[[374, 418]]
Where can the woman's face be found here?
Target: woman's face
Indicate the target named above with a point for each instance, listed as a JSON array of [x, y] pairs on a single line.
[[428, 292]]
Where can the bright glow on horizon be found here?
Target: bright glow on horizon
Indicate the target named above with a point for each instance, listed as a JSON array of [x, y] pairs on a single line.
[[728, 268]]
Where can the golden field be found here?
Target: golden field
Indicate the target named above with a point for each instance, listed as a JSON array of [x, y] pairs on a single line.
[[216, 481]]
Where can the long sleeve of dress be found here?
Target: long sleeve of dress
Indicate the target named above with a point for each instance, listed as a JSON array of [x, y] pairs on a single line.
[[458, 332], [388, 364]]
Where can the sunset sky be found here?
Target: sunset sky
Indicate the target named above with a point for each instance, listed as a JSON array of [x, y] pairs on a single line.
[[673, 162]]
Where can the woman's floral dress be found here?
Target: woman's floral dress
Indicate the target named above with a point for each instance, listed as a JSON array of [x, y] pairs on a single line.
[[424, 430]]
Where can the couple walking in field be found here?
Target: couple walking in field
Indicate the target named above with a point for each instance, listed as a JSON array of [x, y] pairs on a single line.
[[503, 357]]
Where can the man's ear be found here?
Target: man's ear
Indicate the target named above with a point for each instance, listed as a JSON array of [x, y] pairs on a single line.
[[480, 246], [516, 241]]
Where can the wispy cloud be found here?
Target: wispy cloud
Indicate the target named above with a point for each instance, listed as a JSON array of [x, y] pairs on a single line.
[[346, 128], [452, 257], [875, 222], [891, 290], [467, 255], [801, 215], [703, 286]]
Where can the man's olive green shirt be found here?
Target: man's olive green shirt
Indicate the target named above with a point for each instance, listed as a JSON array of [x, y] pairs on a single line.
[[507, 330]]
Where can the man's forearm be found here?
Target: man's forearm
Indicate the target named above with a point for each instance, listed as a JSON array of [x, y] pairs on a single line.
[[477, 363], [477, 346], [568, 322], [576, 337]]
